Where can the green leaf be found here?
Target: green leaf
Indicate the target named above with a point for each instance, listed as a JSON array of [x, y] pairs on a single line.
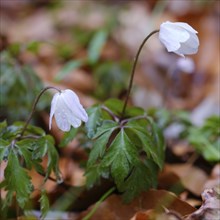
[[68, 68], [200, 141], [44, 204], [4, 149], [114, 72], [43, 146], [24, 146], [145, 135], [159, 143], [94, 121], [100, 143], [105, 126], [115, 105], [3, 126], [53, 157], [17, 180], [142, 177], [33, 46], [92, 176], [96, 45], [121, 157], [68, 137]]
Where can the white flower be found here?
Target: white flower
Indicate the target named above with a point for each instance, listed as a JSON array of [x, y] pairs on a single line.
[[66, 108], [179, 37]]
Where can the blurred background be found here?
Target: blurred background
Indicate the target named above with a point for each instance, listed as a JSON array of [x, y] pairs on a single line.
[[89, 46]]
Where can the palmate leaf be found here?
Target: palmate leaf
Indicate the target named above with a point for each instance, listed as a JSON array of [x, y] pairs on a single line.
[[94, 121], [47, 144], [102, 137], [31, 158], [44, 203], [68, 136], [142, 177], [118, 149], [151, 140], [4, 149], [17, 180], [120, 157]]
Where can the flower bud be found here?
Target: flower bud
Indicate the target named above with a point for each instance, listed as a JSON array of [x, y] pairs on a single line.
[[67, 110], [179, 37]]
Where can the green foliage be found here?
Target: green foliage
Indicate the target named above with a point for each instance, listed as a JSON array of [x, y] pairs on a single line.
[[17, 180], [68, 136], [112, 78], [94, 120], [95, 46], [17, 80], [143, 176], [206, 140], [44, 204], [23, 153], [68, 68], [127, 150]]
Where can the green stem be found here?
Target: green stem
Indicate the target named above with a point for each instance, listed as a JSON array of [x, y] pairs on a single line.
[[89, 215], [34, 107], [133, 71]]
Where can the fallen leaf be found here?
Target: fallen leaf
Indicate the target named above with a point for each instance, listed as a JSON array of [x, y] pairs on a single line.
[[114, 208], [210, 209], [191, 177]]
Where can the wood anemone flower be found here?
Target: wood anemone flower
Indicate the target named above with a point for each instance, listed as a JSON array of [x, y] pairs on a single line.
[[67, 110], [179, 37]]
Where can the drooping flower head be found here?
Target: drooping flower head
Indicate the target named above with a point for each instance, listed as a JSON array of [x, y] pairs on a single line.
[[67, 110], [179, 37]]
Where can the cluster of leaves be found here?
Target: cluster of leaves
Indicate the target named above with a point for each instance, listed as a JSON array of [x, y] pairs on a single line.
[[22, 153], [17, 80], [128, 150], [204, 139]]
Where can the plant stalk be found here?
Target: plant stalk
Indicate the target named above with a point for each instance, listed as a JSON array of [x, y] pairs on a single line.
[[133, 71], [34, 107]]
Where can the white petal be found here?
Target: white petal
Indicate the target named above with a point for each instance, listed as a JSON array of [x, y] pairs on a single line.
[[186, 26], [179, 38], [171, 36], [189, 47], [168, 41], [178, 33], [53, 108], [61, 116], [72, 101]]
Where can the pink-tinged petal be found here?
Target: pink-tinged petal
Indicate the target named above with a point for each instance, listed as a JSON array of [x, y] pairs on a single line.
[[53, 108]]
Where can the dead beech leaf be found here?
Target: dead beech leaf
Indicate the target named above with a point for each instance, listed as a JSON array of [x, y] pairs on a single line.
[[214, 179], [114, 208], [152, 215], [210, 209], [191, 177], [167, 180]]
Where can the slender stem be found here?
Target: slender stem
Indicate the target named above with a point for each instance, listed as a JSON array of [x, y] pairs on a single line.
[[133, 71], [34, 107], [115, 117], [90, 214]]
